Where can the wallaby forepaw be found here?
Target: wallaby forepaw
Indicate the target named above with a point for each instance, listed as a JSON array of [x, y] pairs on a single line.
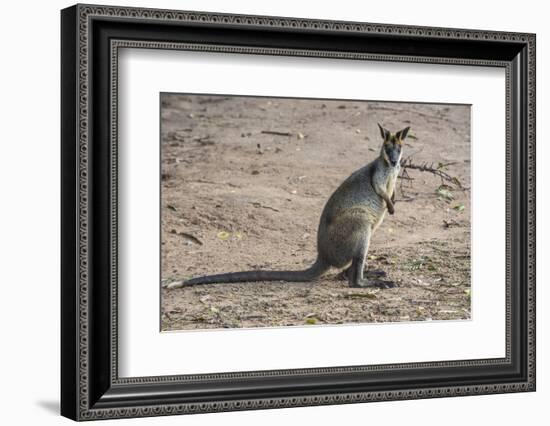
[[391, 210]]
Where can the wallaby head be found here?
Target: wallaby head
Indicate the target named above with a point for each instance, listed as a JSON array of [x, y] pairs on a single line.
[[393, 142]]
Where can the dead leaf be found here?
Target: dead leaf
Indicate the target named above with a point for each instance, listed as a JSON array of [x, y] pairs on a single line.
[[444, 193], [223, 235], [459, 207]]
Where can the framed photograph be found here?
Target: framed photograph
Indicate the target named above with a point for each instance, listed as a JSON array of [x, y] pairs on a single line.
[[263, 212]]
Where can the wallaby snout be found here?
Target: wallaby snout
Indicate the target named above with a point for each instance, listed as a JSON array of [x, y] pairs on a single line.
[[394, 158]]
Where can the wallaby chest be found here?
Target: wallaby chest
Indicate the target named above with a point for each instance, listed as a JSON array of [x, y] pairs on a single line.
[[392, 179], [385, 178]]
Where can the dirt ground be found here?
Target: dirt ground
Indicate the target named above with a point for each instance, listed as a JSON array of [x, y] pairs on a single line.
[[236, 197]]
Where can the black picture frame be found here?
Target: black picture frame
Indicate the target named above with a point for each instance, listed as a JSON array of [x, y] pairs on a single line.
[[90, 386]]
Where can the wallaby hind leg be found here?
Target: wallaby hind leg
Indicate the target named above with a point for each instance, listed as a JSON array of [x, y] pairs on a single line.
[[355, 275], [355, 272]]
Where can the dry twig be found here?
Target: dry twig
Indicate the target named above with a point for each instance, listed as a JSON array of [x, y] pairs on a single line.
[[435, 170], [272, 132]]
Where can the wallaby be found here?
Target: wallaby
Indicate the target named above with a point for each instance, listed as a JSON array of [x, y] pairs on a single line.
[[350, 217]]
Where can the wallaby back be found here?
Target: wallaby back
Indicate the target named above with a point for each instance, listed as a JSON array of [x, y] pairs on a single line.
[[353, 210]]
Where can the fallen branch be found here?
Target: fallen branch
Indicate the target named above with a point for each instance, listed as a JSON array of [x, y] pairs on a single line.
[[259, 205], [404, 176], [407, 163], [187, 236], [210, 182], [272, 132]]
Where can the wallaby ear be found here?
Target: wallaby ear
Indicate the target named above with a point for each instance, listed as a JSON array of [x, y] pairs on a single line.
[[402, 134], [383, 132]]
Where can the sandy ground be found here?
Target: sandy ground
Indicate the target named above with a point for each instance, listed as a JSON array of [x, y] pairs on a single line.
[[234, 198]]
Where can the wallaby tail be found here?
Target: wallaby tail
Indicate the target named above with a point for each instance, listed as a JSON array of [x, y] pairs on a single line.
[[315, 271]]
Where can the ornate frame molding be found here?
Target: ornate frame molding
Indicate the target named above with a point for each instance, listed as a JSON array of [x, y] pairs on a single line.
[[82, 16]]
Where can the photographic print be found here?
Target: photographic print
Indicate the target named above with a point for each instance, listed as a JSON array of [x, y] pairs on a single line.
[[308, 212]]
